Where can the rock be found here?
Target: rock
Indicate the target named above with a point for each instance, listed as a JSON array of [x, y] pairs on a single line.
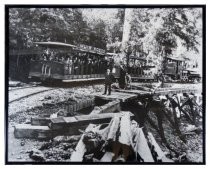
[[66, 156], [37, 155], [46, 146], [59, 138], [22, 143], [68, 139], [62, 112], [47, 97]]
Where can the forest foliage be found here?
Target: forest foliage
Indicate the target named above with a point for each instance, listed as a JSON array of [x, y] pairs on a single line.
[[157, 32]]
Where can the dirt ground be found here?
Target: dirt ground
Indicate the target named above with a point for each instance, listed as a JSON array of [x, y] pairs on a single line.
[[44, 103], [54, 150]]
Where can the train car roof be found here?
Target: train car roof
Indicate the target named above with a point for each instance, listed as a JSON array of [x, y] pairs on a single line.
[[60, 44], [111, 54], [192, 69], [176, 59]]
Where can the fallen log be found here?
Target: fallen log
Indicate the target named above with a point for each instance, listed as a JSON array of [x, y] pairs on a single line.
[[63, 122]]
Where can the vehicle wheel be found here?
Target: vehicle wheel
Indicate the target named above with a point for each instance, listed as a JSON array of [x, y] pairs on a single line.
[[184, 78]]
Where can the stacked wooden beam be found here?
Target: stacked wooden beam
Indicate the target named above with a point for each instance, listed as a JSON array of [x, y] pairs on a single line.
[[122, 135], [79, 105], [112, 106], [60, 125]]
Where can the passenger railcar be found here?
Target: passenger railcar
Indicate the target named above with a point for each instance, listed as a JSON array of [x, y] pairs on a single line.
[[139, 69], [66, 62]]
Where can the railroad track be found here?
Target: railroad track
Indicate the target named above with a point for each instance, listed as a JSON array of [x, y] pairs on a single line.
[[23, 96], [19, 88]]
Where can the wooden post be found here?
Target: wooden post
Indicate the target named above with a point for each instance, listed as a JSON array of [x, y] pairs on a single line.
[[176, 122]]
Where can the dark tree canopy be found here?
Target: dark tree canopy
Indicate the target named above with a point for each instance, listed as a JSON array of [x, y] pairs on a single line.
[[28, 25]]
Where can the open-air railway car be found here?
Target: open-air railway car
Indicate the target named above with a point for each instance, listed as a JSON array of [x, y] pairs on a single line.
[[140, 70], [66, 62]]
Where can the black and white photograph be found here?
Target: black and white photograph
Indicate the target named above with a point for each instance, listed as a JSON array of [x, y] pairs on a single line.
[[105, 84]]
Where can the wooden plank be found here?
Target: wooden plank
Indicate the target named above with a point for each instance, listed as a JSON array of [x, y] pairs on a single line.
[[160, 153], [28, 131], [44, 132], [174, 91], [117, 96], [138, 92], [63, 122], [40, 121], [125, 130], [107, 157], [109, 107], [142, 147], [82, 80]]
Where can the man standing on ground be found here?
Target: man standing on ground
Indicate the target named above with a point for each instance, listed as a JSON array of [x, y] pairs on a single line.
[[108, 81], [128, 81]]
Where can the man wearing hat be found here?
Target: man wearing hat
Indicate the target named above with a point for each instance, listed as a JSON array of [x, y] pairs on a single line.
[[108, 81]]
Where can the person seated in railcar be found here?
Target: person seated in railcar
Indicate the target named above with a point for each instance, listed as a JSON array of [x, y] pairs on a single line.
[[93, 67], [50, 58], [88, 68], [75, 66], [62, 59], [139, 68], [85, 66], [96, 66], [79, 65], [45, 58], [130, 69], [122, 76], [82, 62], [99, 66], [70, 66], [111, 64], [104, 66]]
